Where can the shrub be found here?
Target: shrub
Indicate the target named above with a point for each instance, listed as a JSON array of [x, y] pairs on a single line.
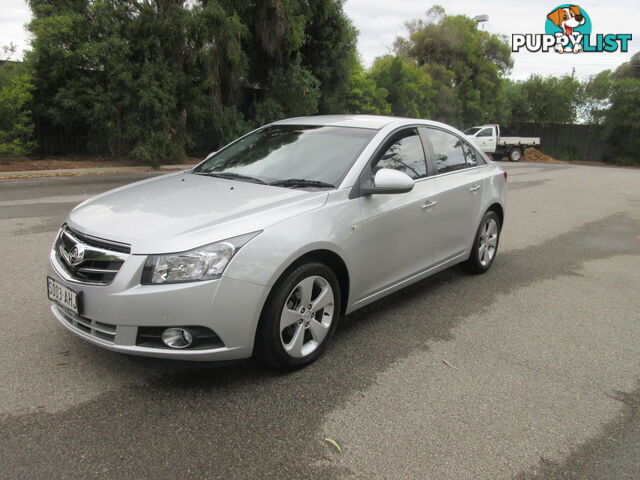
[[16, 126]]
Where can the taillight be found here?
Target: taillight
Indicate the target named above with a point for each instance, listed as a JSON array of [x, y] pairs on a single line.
[[505, 175]]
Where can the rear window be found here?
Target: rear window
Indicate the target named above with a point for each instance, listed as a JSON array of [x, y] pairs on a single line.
[[448, 155]]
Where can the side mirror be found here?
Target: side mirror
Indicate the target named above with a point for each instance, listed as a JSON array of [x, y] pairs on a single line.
[[387, 180]]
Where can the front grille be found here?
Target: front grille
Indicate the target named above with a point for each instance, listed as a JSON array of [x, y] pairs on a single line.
[[88, 259], [103, 331]]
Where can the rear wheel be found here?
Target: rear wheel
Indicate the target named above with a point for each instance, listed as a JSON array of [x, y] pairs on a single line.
[[300, 317], [485, 245], [515, 154]]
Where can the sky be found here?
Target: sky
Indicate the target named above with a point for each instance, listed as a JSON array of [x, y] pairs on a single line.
[[381, 21]]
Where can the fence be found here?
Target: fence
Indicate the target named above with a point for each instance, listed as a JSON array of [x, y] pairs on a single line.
[[584, 142]]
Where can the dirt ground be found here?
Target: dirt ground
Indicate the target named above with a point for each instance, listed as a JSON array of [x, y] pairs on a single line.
[[19, 164], [535, 155]]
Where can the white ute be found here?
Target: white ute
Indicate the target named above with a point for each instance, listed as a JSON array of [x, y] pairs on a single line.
[[488, 139]]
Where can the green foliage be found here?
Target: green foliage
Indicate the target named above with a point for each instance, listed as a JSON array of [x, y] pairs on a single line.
[[612, 100], [364, 95], [151, 78], [545, 100], [16, 125], [158, 78], [409, 88], [466, 65], [330, 52], [622, 120], [596, 97], [295, 89]]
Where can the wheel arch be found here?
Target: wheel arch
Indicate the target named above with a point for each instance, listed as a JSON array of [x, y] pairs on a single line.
[[332, 260], [323, 255], [499, 210]]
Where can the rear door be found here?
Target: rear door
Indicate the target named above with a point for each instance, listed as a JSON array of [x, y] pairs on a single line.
[[459, 174], [398, 231]]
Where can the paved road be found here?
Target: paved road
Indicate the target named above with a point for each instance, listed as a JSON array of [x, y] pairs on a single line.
[[530, 371]]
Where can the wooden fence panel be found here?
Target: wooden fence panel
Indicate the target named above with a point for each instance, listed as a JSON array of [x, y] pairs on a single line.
[[587, 141]]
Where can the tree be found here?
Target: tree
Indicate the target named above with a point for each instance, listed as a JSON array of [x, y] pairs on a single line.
[[621, 119], [364, 95], [409, 89], [16, 125], [467, 65], [596, 97], [330, 51], [545, 100], [149, 78]]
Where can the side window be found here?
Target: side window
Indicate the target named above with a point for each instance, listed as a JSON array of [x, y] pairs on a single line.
[[447, 151], [471, 154], [403, 153], [487, 132]]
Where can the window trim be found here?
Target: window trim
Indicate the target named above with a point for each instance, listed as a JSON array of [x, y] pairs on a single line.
[[470, 145], [429, 159], [391, 140], [367, 172], [435, 170]]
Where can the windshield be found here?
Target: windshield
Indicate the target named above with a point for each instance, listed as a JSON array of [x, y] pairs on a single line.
[[283, 152], [472, 131]]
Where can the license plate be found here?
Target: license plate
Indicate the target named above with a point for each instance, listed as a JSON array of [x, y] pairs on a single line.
[[63, 296]]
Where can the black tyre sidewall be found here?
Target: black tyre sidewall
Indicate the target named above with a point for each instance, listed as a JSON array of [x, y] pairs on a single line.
[[473, 263], [268, 343], [515, 149]]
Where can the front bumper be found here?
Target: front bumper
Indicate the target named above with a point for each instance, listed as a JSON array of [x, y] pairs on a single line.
[[111, 314]]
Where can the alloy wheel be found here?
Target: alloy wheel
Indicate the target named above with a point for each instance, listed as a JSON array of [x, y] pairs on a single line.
[[488, 242], [306, 316]]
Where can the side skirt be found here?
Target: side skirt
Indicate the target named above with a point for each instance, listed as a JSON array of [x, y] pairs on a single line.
[[407, 281]]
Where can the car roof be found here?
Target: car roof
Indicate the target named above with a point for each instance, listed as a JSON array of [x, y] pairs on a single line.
[[375, 122]]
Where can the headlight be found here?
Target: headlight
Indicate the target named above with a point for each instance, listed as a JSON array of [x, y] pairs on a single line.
[[202, 263]]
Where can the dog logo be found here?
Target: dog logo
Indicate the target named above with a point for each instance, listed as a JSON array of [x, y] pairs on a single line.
[[566, 19], [568, 29]]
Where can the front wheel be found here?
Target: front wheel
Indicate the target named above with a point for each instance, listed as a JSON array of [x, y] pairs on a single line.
[[515, 154], [485, 244], [299, 317]]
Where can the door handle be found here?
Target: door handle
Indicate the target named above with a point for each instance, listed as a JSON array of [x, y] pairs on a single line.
[[474, 189], [429, 204]]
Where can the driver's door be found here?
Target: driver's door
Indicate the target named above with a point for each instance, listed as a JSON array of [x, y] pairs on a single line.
[[486, 139], [398, 233]]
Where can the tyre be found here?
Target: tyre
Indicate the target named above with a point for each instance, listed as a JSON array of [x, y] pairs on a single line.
[[299, 317], [497, 156], [515, 154], [485, 244]]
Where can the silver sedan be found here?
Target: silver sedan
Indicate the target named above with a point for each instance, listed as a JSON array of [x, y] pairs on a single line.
[[262, 247]]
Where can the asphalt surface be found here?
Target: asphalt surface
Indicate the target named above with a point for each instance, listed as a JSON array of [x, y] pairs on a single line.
[[529, 371]]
